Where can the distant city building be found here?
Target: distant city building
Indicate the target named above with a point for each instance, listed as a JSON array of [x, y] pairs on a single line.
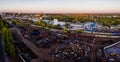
[[54, 22], [76, 26]]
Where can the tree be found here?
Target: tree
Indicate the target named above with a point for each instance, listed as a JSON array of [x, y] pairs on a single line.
[[65, 30], [58, 26], [115, 22], [8, 41], [81, 19], [1, 23], [41, 23], [49, 25], [7, 38], [67, 25], [79, 31], [75, 20]]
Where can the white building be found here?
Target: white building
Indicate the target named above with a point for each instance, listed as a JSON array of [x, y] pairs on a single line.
[[76, 26], [55, 22]]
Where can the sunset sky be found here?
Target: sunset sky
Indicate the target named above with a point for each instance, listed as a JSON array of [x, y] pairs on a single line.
[[61, 6]]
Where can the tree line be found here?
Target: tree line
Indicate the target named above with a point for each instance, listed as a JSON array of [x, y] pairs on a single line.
[[104, 20], [7, 38]]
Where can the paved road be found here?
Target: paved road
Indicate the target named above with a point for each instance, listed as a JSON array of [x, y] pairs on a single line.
[[2, 56]]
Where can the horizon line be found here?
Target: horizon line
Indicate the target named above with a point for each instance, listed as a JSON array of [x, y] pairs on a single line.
[[66, 12]]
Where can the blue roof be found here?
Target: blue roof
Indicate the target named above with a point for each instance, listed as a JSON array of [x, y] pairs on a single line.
[[113, 50]]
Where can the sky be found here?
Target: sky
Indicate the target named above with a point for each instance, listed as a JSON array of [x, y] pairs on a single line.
[[60, 6]]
